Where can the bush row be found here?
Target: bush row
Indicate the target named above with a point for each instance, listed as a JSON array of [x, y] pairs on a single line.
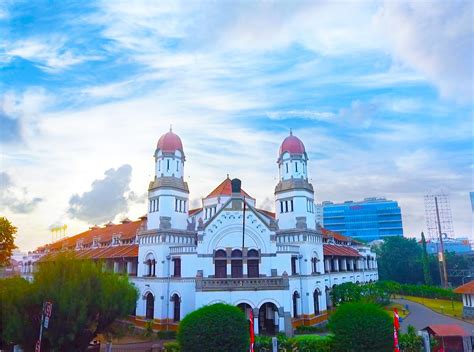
[[427, 291], [301, 343]]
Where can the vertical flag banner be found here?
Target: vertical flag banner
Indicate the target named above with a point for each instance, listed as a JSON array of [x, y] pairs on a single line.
[[252, 335], [396, 327]]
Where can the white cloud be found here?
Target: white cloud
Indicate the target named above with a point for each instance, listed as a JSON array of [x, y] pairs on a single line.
[[49, 53], [434, 38], [15, 198]]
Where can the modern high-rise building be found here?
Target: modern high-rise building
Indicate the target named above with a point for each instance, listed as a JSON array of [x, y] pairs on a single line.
[[438, 215], [367, 220]]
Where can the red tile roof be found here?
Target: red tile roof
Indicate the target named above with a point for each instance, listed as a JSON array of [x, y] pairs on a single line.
[[447, 330], [466, 288], [194, 211], [108, 252], [225, 189], [336, 235], [127, 231], [267, 213], [341, 251]]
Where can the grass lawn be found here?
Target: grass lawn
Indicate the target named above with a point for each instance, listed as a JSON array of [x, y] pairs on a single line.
[[446, 307], [402, 312]]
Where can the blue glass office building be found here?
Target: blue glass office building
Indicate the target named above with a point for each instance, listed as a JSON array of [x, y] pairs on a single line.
[[371, 219]]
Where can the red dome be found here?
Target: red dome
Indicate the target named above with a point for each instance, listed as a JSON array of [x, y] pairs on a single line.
[[169, 143], [292, 145]]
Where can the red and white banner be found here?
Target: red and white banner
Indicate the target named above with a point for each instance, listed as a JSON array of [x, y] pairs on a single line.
[[252, 334], [396, 327]]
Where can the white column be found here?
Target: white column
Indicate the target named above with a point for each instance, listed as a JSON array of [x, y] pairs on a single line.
[[255, 321], [116, 266]]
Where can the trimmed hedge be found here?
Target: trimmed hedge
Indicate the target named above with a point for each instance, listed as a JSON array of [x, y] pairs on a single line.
[[301, 343], [361, 327], [427, 291], [218, 327], [171, 347]]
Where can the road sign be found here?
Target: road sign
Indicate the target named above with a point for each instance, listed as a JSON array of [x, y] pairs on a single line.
[[38, 346], [46, 322], [48, 307]]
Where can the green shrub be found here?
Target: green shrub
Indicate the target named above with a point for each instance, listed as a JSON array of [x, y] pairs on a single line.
[[262, 344], [310, 343], [148, 328], [171, 347], [166, 335], [304, 329], [361, 327], [411, 342], [218, 327]]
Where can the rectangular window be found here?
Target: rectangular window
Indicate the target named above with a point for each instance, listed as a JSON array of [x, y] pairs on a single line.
[[293, 265], [176, 204], [286, 206], [167, 165], [177, 165], [296, 167], [291, 205], [281, 206], [176, 267], [286, 164], [159, 165]]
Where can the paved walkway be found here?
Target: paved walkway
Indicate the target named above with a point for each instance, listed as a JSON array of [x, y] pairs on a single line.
[[421, 316]]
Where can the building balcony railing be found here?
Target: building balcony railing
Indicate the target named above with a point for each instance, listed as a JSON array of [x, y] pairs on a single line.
[[242, 284], [183, 250], [287, 248]]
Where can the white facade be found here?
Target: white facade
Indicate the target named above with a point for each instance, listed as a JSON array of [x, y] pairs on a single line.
[[274, 264]]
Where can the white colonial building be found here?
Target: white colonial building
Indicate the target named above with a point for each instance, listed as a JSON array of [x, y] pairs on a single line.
[[282, 265]]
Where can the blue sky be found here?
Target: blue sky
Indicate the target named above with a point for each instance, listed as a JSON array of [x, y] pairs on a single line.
[[379, 92]]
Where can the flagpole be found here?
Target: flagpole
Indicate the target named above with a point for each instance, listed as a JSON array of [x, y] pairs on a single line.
[[243, 229]]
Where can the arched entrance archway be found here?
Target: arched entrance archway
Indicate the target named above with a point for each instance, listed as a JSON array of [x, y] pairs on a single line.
[[268, 319], [316, 294], [176, 307], [150, 306], [246, 308]]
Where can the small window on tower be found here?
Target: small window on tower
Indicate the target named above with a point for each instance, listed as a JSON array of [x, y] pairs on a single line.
[[296, 167], [177, 165], [281, 206], [286, 164], [286, 206], [159, 165], [167, 165], [291, 205]]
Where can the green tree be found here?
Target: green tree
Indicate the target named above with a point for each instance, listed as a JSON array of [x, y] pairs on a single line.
[[86, 301], [399, 259], [7, 240], [410, 342], [361, 327], [425, 262], [218, 327]]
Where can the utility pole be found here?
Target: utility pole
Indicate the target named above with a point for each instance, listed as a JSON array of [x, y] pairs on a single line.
[[442, 260]]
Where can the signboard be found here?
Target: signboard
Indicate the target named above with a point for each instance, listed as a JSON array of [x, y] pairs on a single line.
[[38, 346], [48, 307]]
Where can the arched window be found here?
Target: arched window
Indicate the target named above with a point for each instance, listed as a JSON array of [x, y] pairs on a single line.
[[150, 305], [220, 264], [316, 295], [296, 295], [252, 263], [236, 264], [314, 264], [150, 263], [176, 307]]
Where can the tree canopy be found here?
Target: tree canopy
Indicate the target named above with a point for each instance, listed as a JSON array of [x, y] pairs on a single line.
[[399, 259], [86, 301], [7, 240]]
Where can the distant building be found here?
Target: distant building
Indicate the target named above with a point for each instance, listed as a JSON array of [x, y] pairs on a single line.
[[471, 195], [455, 245], [367, 220]]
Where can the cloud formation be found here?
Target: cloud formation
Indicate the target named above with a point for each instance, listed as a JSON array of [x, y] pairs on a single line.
[[107, 198], [15, 199]]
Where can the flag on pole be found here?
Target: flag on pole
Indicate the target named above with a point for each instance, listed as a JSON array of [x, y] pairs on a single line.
[[396, 319], [396, 327], [252, 335]]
